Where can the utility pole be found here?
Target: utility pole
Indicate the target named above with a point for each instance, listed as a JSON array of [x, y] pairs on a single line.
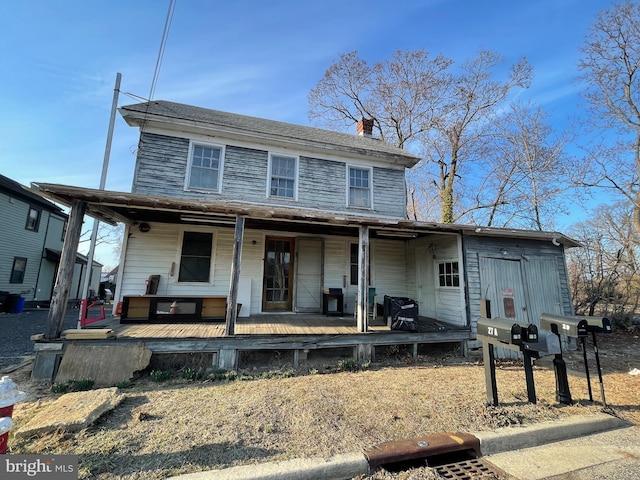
[[103, 181]]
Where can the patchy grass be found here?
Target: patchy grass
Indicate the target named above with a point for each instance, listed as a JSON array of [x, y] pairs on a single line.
[[187, 423]]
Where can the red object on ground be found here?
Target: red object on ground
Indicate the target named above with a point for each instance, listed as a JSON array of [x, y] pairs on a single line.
[[9, 396]]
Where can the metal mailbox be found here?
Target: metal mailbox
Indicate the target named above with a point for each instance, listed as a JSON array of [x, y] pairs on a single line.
[[500, 330], [576, 327], [547, 344], [524, 338], [598, 324]]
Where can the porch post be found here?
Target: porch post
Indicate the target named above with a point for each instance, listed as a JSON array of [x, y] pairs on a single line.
[[232, 301], [363, 279], [64, 278]]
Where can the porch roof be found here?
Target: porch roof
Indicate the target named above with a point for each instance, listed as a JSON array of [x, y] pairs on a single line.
[[133, 209]]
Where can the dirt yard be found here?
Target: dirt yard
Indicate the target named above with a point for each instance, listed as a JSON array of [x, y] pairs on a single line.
[[271, 413]]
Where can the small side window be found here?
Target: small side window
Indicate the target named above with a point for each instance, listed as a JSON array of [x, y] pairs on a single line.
[[18, 269], [448, 274], [33, 220]]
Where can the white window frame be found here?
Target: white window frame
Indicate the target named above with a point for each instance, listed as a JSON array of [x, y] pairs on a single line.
[[33, 224], [296, 161], [444, 262], [187, 180], [348, 200], [214, 238]]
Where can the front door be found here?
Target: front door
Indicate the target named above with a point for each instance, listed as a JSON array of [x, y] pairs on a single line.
[[278, 274]]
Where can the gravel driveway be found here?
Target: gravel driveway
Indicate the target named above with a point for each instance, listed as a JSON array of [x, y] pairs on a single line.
[[16, 330]]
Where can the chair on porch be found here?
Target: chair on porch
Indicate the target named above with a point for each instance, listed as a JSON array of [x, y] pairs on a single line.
[[372, 306]]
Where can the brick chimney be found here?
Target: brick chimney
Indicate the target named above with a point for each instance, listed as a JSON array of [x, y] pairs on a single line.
[[364, 127]]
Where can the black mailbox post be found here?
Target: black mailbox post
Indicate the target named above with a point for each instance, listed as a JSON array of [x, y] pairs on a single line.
[[595, 325], [526, 339], [575, 327]]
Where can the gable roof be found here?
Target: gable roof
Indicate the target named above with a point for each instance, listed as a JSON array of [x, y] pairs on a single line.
[[161, 112], [20, 191]]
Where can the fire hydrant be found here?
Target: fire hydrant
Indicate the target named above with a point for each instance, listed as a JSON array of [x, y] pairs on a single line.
[[9, 396]]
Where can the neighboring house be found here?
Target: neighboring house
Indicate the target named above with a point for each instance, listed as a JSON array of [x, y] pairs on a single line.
[[31, 240], [308, 210]]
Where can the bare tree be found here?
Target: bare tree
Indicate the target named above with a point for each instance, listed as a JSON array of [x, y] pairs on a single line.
[[609, 66], [527, 172], [400, 95], [604, 272], [415, 100], [461, 129]]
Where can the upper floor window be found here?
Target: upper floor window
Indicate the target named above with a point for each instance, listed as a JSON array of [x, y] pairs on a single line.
[[195, 258], [448, 274], [205, 167], [283, 173], [33, 220], [18, 269], [359, 187]]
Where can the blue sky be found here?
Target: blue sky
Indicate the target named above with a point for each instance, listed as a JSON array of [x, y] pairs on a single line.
[[60, 59]]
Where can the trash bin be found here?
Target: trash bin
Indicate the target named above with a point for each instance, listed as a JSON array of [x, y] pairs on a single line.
[[20, 306], [12, 302], [400, 313]]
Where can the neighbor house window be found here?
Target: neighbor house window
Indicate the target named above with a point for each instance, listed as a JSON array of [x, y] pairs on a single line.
[[205, 167], [448, 274], [17, 272], [195, 259], [283, 177], [359, 187], [33, 220]]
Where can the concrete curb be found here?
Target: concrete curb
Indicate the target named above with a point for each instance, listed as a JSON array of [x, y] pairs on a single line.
[[347, 466], [344, 466], [514, 438]]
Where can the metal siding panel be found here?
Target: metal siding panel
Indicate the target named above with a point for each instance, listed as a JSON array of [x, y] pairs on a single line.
[[543, 286]]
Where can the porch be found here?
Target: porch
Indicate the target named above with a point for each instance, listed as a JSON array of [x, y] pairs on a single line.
[[296, 333]]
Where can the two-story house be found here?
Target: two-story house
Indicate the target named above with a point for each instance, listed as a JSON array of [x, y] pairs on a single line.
[[280, 218], [31, 239]]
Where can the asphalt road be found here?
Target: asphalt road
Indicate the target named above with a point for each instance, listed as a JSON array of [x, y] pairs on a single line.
[[16, 330]]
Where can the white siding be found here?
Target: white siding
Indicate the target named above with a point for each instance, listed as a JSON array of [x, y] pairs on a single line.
[[389, 268]]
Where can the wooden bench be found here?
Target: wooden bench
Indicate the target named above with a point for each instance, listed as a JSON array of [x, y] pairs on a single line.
[[172, 309]]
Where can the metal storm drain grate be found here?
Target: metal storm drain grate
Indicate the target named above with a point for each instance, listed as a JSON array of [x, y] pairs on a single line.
[[475, 468]]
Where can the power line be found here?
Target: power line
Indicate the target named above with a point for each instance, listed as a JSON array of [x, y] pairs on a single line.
[[163, 43]]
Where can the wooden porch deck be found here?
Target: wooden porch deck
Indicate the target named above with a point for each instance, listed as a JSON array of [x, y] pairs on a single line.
[[263, 324]]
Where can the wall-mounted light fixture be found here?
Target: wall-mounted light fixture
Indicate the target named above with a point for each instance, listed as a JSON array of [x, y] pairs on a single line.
[[144, 227]]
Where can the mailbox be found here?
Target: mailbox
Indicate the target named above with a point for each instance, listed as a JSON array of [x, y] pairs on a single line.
[[499, 329], [598, 324], [526, 339], [547, 344], [530, 334], [576, 327]]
